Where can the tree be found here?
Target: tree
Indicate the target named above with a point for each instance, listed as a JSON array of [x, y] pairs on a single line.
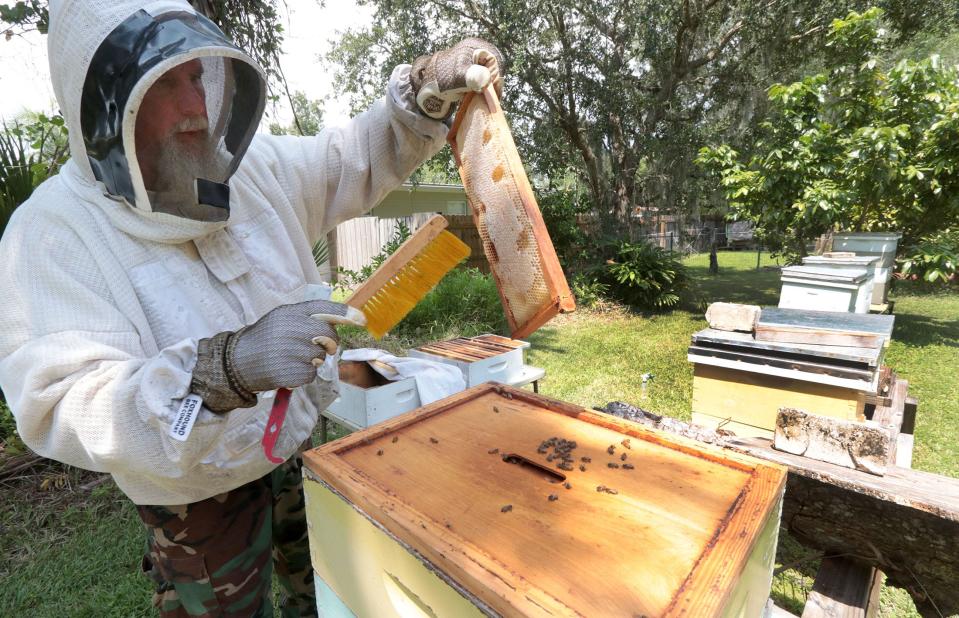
[[620, 93], [309, 114], [254, 25], [855, 147]]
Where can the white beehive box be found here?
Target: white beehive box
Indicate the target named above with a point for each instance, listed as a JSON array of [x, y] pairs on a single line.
[[881, 245], [850, 264], [358, 407], [485, 358], [824, 289]]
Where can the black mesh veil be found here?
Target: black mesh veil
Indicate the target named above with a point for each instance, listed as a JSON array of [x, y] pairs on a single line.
[[127, 63]]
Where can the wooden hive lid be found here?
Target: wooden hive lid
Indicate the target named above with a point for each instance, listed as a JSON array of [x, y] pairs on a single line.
[[671, 541]]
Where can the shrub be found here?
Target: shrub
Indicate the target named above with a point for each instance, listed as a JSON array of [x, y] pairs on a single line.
[[30, 152], [465, 303], [642, 275], [561, 210], [588, 291], [934, 259], [10, 443]]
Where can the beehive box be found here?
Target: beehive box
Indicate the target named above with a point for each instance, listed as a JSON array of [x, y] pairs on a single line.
[[367, 398], [882, 245], [447, 511], [484, 358], [821, 288], [747, 402]]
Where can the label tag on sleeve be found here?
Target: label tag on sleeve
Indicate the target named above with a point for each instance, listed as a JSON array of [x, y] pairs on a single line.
[[185, 417]]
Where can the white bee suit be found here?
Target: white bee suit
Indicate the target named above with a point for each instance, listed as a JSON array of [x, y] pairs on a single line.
[[103, 299]]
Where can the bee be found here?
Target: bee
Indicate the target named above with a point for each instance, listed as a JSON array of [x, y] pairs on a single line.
[[586, 459], [622, 457], [564, 466], [493, 451], [396, 439], [568, 485], [582, 468], [628, 466], [625, 443], [495, 409], [553, 497], [611, 449], [612, 465], [379, 452], [506, 509], [550, 457], [434, 440]]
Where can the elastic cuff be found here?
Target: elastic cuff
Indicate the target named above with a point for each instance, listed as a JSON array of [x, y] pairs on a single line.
[[403, 101], [213, 380]]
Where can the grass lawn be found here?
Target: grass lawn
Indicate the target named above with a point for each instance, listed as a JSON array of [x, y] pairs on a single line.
[[80, 555]]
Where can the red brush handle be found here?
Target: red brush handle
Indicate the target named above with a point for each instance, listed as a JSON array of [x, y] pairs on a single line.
[[275, 423]]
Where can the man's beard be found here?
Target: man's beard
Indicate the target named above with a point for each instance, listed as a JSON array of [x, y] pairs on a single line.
[[178, 167]]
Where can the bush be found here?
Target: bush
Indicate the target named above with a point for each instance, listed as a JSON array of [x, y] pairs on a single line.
[[588, 291], [642, 275], [465, 303], [10, 443], [934, 259], [30, 152], [561, 210]]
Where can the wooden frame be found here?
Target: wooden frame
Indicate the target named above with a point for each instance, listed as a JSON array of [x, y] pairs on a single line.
[[561, 299], [703, 593]]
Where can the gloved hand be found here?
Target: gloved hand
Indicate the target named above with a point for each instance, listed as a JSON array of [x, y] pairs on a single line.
[[280, 350], [440, 80]]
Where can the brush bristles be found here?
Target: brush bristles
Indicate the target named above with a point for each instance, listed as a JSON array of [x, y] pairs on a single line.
[[393, 301]]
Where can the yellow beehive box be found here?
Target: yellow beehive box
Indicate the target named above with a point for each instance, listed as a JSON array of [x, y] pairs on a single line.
[[746, 402], [497, 501]]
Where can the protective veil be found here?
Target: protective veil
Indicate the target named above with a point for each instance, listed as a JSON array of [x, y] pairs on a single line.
[[107, 285]]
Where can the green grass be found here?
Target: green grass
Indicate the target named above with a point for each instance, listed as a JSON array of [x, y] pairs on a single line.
[[83, 559], [66, 553]]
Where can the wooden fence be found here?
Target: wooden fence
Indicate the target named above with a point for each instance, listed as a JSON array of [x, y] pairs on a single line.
[[359, 240], [462, 227]]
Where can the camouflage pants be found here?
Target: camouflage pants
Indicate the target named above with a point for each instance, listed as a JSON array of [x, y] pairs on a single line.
[[216, 557]]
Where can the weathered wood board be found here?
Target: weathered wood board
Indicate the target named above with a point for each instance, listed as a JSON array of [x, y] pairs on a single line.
[[466, 484], [905, 523], [841, 355], [824, 327]]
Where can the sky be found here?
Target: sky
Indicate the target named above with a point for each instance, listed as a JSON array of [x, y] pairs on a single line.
[[25, 75]]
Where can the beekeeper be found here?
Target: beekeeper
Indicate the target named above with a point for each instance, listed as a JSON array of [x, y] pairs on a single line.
[[157, 289]]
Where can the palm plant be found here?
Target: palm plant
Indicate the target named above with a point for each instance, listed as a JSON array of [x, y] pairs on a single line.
[[29, 154]]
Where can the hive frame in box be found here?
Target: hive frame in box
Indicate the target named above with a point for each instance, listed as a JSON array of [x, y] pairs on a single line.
[[718, 568], [512, 186], [508, 366]]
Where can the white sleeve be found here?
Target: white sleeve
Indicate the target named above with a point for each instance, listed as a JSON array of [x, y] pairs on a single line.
[[345, 171], [74, 372]]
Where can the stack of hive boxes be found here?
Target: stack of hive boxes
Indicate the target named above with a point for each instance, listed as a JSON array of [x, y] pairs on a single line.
[[826, 363]]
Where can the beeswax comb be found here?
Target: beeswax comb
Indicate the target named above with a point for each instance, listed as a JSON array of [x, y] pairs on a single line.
[[528, 274]]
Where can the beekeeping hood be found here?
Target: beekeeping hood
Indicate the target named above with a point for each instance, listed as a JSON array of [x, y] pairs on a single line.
[[105, 55]]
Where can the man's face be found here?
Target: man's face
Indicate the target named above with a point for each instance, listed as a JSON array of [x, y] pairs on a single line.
[[172, 116]]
